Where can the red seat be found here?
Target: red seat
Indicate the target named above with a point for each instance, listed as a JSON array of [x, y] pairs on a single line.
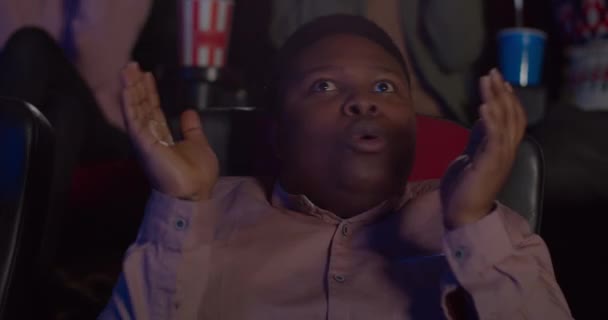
[[438, 142]]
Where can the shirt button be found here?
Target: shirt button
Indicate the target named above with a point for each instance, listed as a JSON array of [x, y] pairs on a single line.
[[459, 253], [181, 224], [339, 278], [345, 230]]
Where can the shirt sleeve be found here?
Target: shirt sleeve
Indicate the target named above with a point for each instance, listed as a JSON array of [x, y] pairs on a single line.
[[504, 268], [147, 287]]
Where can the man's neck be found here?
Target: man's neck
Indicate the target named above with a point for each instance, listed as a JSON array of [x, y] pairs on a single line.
[[343, 202], [347, 205]]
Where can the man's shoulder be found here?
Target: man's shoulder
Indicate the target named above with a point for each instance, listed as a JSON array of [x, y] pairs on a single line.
[[252, 186]]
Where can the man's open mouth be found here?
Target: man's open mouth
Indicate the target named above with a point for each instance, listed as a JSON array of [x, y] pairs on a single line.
[[367, 137]]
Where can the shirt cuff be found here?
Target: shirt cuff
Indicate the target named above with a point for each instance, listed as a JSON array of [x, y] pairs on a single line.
[[478, 246], [167, 221]]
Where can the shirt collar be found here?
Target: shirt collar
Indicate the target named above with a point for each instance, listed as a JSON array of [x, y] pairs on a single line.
[[301, 204]]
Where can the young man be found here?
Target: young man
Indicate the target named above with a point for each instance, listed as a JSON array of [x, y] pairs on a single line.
[[340, 235]]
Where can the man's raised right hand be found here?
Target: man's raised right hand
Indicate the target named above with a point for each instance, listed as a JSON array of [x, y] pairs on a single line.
[[187, 169]]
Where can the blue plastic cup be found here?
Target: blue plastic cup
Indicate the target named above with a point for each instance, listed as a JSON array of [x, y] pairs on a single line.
[[521, 52]]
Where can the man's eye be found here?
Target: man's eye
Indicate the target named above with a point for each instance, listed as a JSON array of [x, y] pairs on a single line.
[[384, 86], [323, 85]]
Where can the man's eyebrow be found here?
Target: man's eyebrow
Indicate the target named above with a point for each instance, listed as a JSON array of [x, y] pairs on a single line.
[[300, 74]]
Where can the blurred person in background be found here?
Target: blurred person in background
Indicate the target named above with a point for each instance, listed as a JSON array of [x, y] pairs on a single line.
[[65, 57]]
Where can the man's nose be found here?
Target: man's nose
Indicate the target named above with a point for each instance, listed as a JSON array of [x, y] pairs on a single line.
[[361, 105]]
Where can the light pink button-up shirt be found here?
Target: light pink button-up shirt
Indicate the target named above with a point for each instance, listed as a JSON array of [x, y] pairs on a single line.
[[248, 254]]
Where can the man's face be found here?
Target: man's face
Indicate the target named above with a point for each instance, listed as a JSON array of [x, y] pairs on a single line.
[[346, 120]]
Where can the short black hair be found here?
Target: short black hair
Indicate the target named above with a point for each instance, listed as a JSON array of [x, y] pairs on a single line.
[[312, 32]]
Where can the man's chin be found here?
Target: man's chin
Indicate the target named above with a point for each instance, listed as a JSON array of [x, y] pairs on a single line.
[[361, 176]]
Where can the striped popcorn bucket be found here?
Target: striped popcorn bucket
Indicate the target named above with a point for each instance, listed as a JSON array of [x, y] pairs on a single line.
[[205, 32]]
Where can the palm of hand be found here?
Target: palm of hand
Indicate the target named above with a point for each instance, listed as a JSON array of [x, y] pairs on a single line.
[[187, 169], [473, 181]]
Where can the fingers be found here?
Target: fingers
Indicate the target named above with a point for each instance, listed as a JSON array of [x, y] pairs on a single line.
[[141, 108], [192, 128], [513, 111], [149, 85], [131, 97], [129, 108], [503, 120], [503, 104], [493, 113], [489, 128], [494, 135], [131, 76], [485, 85], [501, 110], [156, 113]]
